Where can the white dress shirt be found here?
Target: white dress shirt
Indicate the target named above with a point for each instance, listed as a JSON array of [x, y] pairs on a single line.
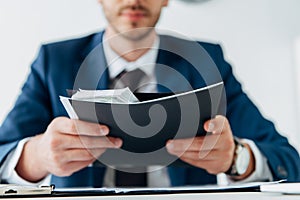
[[158, 177]]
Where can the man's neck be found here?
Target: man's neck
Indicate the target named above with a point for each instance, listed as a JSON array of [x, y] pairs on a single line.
[[129, 49]]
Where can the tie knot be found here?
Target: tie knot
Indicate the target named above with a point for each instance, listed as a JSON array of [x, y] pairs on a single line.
[[133, 79]]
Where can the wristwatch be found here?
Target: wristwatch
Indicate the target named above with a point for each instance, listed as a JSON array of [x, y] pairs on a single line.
[[241, 159]]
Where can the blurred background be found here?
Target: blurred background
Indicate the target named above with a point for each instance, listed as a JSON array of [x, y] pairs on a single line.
[[260, 38]]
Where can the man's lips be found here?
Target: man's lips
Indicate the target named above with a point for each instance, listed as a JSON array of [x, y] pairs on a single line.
[[133, 15]]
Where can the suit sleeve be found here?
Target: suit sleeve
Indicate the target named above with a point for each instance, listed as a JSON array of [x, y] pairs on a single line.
[[31, 113], [247, 122]]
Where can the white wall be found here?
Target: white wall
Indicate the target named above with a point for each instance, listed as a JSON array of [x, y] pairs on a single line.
[[297, 67], [258, 37]]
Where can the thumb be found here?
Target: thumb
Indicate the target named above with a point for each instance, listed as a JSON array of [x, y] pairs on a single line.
[[217, 125]]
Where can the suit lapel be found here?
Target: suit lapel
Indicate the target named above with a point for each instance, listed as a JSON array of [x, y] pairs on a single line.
[[184, 65], [171, 70], [93, 72]]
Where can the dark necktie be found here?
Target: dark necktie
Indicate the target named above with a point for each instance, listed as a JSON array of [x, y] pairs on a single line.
[[134, 80]]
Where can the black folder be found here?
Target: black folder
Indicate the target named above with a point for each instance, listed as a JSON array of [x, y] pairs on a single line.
[[145, 127]]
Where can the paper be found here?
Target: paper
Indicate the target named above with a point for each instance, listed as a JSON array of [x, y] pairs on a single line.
[[254, 186], [122, 96], [106, 96], [15, 190], [285, 188]]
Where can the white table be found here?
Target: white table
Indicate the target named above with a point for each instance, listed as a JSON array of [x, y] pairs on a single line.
[[200, 196]]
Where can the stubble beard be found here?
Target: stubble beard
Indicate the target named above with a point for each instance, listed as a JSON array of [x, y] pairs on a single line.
[[135, 34]]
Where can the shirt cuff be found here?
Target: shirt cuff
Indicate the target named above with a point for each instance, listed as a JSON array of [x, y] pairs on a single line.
[[8, 172], [262, 171]]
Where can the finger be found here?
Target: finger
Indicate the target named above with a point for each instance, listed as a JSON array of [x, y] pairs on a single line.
[[205, 143], [77, 127], [69, 168], [182, 145], [217, 125], [200, 155], [87, 142], [73, 155], [211, 166], [76, 166], [199, 163], [90, 129]]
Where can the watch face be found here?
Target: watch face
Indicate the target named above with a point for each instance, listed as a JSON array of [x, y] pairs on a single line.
[[242, 161]]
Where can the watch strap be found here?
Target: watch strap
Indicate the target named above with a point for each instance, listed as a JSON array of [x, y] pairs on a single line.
[[232, 171]]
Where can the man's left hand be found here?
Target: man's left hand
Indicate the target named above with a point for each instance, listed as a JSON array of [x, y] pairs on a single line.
[[213, 152]]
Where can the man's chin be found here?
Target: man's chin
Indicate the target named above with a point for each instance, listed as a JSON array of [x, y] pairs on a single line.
[[136, 33]]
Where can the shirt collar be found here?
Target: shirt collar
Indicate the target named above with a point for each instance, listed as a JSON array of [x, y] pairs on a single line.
[[117, 64]]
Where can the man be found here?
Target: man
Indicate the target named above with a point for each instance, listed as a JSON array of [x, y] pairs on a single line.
[[38, 140]]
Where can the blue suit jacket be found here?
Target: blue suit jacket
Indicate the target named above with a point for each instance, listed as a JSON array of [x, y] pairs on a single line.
[[56, 68]]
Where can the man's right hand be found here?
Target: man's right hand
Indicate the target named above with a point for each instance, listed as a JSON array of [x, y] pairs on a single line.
[[66, 147]]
